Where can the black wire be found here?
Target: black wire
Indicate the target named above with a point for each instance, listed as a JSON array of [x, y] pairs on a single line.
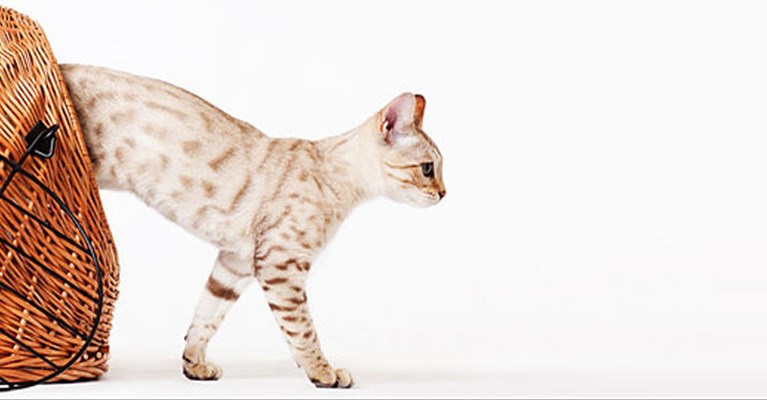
[[99, 275]]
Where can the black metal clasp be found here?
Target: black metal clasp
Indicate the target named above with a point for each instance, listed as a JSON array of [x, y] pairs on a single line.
[[41, 140]]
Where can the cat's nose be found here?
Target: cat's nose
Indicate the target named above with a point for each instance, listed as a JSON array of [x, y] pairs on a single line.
[[442, 194]]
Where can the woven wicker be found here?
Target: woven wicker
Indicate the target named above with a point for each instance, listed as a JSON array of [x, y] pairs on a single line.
[[55, 305]]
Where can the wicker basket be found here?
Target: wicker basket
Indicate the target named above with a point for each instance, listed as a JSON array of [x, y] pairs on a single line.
[[56, 299]]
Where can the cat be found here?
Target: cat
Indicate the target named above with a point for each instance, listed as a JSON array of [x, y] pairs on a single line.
[[268, 204]]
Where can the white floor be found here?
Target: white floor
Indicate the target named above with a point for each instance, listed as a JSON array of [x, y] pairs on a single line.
[[277, 379]]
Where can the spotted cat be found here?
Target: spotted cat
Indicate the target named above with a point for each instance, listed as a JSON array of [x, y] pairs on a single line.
[[268, 204]]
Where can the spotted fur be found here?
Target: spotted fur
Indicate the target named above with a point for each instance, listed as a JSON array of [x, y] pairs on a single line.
[[270, 205]]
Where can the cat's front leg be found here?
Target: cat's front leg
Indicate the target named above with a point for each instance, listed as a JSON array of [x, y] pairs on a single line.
[[230, 277], [283, 277]]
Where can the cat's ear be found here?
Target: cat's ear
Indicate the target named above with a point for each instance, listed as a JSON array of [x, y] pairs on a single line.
[[420, 107], [402, 112]]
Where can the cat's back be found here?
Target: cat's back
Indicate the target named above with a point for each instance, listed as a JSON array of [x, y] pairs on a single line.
[[103, 93]]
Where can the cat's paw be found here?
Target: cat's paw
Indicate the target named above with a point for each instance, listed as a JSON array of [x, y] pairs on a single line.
[[329, 378], [206, 371]]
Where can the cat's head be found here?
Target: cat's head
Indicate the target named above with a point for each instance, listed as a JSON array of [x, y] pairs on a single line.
[[410, 161]]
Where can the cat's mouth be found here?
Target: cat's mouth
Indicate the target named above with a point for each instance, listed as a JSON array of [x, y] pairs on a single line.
[[430, 198]]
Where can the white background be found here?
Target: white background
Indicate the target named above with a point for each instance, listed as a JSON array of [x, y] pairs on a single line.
[[605, 226]]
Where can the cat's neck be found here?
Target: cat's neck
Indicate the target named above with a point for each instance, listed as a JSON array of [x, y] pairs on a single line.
[[352, 163]]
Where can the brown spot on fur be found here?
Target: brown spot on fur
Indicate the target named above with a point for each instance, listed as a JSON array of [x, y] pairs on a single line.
[[130, 143], [304, 176], [218, 289], [278, 221], [297, 289], [199, 214], [277, 307], [297, 301], [186, 181], [239, 195], [318, 184], [208, 188], [122, 117], [154, 130], [206, 121], [299, 233], [333, 191], [276, 281], [284, 236], [171, 215], [284, 266], [99, 130], [307, 335], [146, 166], [191, 147], [217, 162], [291, 333], [100, 97], [269, 251], [294, 195], [151, 194], [288, 169], [267, 155], [289, 318], [266, 288], [312, 151], [164, 161]]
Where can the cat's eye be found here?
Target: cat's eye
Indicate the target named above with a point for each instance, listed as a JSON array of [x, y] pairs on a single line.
[[428, 169]]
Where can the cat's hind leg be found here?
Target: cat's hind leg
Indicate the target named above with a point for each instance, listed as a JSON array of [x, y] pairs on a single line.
[[230, 277]]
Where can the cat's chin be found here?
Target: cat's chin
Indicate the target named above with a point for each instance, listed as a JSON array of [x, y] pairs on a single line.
[[419, 201], [425, 200]]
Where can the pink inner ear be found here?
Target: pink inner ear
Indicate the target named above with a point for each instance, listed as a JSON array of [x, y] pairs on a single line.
[[388, 125], [391, 119], [400, 111], [398, 114]]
